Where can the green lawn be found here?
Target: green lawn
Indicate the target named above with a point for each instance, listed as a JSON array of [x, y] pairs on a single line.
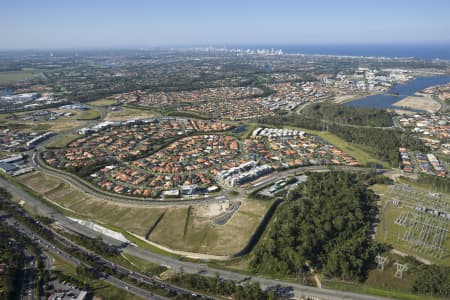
[[170, 229], [103, 102], [91, 114], [62, 140], [126, 113], [11, 77], [365, 289]]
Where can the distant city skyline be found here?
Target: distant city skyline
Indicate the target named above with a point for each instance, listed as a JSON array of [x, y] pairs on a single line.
[[49, 24]]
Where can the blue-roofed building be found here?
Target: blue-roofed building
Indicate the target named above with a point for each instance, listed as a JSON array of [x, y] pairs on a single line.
[[7, 167]]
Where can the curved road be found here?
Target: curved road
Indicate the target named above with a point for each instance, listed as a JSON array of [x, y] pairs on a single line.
[[77, 182]]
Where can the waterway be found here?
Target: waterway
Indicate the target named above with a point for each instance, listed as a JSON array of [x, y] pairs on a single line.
[[399, 92]]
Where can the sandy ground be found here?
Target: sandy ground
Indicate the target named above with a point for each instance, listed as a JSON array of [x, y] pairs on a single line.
[[210, 210], [419, 101], [346, 98]]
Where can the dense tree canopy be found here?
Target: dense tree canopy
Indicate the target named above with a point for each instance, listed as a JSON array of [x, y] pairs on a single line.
[[432, 280], [342, 114], [326, 223]]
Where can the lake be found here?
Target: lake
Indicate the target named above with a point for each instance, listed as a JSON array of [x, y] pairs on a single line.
[[399, 92]]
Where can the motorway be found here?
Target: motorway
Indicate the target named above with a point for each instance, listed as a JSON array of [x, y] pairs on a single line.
[[188, 267], [29, 277], [29, 280]]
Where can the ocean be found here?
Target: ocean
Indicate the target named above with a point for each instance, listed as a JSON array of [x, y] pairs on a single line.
[[423, 51]]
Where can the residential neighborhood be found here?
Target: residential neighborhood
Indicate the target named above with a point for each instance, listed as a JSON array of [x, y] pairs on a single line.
[[171, 156]]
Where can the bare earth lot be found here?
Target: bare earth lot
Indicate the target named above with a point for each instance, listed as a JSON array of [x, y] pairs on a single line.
[[426, 103], [180, 228]]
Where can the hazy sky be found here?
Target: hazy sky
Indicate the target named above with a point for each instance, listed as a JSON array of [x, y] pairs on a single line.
[[132, 23]]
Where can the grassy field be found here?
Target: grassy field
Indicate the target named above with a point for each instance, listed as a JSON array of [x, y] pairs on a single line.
[[61, 124], [366, 289], [126, 113], [382, 283], [41, 183], [101, 288], [11, 77], [131, 218], [203, 237], [103, 102], [169, 231], [91, 114], [356, 151], [200, 236], [62, 141]]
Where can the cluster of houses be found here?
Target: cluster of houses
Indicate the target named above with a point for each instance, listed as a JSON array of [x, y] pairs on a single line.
[[182, 125], [432, 129], [186, 163], [441, 91], [415, 162], [288, 148], [228, 103], [208, 94], [369, 80], [289, 95], [233, 110], [243, 102]]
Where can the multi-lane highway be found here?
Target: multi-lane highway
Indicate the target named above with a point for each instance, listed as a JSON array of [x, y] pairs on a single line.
[[29, 280], [29, 277], [188, 267]]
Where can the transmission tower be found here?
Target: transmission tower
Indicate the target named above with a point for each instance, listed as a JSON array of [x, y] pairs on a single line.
[[400, 269], [381, 260]]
